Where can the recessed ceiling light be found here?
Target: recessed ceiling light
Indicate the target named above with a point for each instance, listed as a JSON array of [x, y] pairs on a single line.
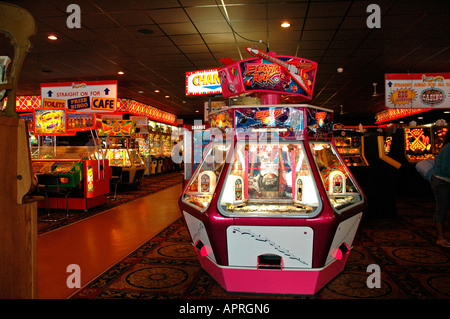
[[196, 111], [420, 118], [156, 91], [120, 72], [140, 91], [52, 37], [167, 96], [340, 70], [285, 24]]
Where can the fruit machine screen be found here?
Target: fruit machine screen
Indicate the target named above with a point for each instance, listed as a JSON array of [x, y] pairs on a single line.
[[418, 145]]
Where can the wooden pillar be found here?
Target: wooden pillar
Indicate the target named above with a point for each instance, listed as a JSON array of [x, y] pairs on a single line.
[[18, 214]]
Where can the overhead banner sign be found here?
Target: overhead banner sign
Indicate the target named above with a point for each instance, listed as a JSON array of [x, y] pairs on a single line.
[[267, 73], [94, 96], [203, 82], [417, 90]]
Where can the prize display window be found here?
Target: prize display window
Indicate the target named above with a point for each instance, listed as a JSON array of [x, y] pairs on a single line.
[[120, 152], [198, 193], [265, 180], [341, 189]]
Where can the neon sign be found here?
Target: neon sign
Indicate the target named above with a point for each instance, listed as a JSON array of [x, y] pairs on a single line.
[[50, 122], [416, 140], [203, 82], [262, 74]]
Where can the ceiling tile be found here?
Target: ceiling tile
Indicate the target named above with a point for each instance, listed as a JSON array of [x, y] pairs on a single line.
[[157, 4], [129, 18], [197, 14], [246, 12], [328, 9], [327, 23], [173, 15], [178, 28], [187, 39], [97, 20], [282, 11]]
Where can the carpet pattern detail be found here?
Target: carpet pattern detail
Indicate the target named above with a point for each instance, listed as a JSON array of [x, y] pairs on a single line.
[[412, 266]]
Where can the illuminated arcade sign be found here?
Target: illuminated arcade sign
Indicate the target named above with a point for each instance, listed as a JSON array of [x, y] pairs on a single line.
[[30, 103], [417, 90], [418, 144], [392, 114], [50, 122], [269, 74], [117, 128], [96, 96], [203, 82], [54, 122]]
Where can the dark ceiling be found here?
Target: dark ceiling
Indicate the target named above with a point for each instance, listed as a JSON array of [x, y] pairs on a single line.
[[187, 35]]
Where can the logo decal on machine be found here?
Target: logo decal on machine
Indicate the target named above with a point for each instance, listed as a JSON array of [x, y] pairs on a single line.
[[258, 237]]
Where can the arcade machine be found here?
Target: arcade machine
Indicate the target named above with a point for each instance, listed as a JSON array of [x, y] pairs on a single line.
[[128, 168], [272, 208], [195, 140], [142, 141], [438, 136], [86, 177], [418, 144], [350, 144], [382, 175], [160, 147]]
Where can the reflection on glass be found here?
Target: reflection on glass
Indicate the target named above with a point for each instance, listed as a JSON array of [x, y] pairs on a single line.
[[203, 184], [340, 187], [269, 180]]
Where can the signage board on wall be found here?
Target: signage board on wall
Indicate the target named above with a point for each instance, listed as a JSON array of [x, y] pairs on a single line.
[[417, 90], [94, 96]]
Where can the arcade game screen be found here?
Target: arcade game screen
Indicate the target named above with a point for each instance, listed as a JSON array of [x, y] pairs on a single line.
[[418, 144], [351, 149]]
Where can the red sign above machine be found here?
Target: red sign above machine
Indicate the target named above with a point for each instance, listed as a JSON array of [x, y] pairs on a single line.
[[417, 90], [269, 74], [96, 96]]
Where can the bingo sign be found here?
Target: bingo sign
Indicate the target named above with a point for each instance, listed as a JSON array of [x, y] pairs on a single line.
[[417, 90], [94, 96]]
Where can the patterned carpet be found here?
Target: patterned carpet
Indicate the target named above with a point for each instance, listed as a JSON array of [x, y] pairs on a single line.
[[412, 266], [149, 185]]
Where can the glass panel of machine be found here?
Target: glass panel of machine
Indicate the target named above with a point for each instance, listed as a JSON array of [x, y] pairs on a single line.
[[269, 180], [118, 157], [137, 160], [203, 184], [341, 189]]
